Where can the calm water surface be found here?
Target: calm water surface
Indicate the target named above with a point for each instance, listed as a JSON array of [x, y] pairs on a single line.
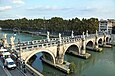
[[99, 64]]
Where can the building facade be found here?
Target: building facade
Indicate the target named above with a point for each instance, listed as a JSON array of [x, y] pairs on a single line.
[[106, 25]]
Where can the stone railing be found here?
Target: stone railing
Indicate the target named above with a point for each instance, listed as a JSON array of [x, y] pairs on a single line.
[[35, 44]]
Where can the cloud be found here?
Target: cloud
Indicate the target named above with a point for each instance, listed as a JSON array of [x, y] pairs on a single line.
[[48, 8], [18, 1], [4, 8], [89, 9], [4, 16], [20, 16]]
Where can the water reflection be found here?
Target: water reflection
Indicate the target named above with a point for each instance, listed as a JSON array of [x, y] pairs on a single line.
[[37, 64]]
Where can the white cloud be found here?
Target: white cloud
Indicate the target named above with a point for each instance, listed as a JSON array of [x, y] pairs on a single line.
[[48, 8], [18, 1], [20, 16], [4, 16], [4, 8]]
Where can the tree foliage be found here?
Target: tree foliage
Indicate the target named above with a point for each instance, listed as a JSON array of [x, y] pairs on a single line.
[[72, 66], [55, 24]]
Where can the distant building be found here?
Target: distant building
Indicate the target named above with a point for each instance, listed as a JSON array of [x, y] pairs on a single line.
[[106, 25]]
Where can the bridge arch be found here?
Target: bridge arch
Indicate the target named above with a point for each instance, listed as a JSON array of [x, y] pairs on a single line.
[[72, 48], [100, 41], [38, 51], [89, 44], [108, 39]]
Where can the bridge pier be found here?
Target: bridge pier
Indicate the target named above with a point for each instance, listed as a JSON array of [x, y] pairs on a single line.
[[60, 56], [59, 60], [83, 53], [63, 67], [96, 46], [111, 43]]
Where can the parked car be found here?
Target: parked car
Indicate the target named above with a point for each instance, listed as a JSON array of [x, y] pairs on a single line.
[[9, 63]]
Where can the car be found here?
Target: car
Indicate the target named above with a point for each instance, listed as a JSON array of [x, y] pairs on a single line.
[[6, 54], [2, 51], [9, 63]]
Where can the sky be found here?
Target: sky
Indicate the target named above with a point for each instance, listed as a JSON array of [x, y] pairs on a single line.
[[67, 9]]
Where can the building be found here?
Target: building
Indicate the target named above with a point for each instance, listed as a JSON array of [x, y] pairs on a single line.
[[106, 25]]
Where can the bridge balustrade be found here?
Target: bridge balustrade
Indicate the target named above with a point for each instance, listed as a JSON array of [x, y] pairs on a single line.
[[91, 36], [78, 36], [34, 44], [53, 39]]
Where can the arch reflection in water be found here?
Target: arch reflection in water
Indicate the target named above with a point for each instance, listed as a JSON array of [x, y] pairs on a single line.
[[36, 60]]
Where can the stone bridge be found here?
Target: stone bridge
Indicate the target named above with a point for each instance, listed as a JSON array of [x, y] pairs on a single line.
[[54, 49]]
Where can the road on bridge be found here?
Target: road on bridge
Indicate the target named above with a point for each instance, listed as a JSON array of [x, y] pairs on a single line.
[[14, 72]]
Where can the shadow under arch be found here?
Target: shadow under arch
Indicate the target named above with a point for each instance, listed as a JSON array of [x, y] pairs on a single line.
[[72, 48], [45, 53], [89, 44], [100, 41], [108, 39]]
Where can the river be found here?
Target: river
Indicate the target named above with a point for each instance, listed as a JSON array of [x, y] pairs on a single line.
[[99, 64]]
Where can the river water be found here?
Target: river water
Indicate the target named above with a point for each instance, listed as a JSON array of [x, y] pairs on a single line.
[[99, 64]]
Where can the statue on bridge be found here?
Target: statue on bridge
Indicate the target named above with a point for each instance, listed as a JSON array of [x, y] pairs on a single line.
[[83, 35], [96, 34], [48, 37], [5, 43], [60, 40], [87, 33], [12, 41], [5, 35], [72, 34]]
